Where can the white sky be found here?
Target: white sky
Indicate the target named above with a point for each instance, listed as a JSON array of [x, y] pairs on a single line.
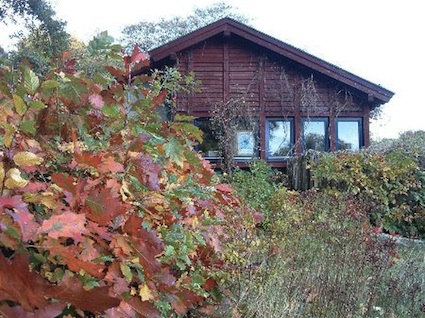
[[379, 40]]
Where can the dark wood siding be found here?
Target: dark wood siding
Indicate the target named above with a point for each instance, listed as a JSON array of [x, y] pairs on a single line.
[[274, 86]]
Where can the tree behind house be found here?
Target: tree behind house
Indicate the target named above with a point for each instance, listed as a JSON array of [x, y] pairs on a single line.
[[149, 35]]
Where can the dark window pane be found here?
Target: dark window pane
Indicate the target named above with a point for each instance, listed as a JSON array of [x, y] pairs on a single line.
[[209, 146]]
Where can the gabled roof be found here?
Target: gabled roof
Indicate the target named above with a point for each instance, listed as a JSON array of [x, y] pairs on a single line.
[[231, 26]]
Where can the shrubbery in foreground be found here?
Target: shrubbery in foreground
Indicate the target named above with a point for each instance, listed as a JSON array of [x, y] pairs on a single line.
[[104, 207]]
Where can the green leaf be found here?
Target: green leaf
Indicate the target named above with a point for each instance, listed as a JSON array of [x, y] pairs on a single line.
[[28, 126], [36, 104], [50, 84], [20, 105], [111, 110], [126, 271], [173, 150], [31, 81]]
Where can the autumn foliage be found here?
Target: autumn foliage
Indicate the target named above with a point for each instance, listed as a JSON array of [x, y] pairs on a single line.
[[104, 207]]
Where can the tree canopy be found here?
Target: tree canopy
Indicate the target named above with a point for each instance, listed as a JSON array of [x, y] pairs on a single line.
[[148, 35]]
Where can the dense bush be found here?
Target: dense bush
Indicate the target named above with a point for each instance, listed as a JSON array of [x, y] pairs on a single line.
[[392, 184], [104, 206], [257, 185]]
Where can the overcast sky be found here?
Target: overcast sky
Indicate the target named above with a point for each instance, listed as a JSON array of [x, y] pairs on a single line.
[[379, 40]]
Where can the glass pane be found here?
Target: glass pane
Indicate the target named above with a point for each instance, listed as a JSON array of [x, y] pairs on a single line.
[[245, 143], [314, 135], [279, 141], [348, 135], [209, 146]]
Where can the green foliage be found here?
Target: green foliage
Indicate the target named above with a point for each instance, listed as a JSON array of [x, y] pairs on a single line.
[[410, 142], [392, 184], [105, 209], [256, 186], [149, 35]]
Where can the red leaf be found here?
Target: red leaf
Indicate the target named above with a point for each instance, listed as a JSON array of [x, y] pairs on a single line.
[[138, 56], [51, 310], [104, 206], [109, 165], [73, 262], [144, 308], [209, 284], [124, 310], [114, 277], [96, 300], [67, 224], [159, 99], [88, 159], [19, 284], [148, 171], [115, 73], [64, 181], [18, 210], [224, 188], [183, 300]]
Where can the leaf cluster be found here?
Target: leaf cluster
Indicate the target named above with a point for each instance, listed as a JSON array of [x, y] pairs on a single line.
[[104, 206]]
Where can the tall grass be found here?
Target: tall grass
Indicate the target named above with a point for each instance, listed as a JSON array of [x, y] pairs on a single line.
[[318, 256]]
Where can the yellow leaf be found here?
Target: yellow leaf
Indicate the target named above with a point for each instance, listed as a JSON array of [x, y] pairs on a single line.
[[14, 179], [45, 198], [9, 132], [20, 105], [26, 158], [145, 293], [1, 172]]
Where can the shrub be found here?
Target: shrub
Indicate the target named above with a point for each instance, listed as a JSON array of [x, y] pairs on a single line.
[[391, 184], [104, 207]]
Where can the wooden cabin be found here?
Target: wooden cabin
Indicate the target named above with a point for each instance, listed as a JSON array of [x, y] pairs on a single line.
[[294, 100]]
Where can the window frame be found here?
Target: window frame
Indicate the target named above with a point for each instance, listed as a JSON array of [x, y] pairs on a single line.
[[291, 121], [359, 121], [325, 120]]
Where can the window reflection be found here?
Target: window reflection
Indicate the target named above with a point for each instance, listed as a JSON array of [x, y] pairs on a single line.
[[280, 136], [348, 134], [314, 135]]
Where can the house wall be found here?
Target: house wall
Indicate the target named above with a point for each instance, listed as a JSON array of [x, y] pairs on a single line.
[[231, 68]]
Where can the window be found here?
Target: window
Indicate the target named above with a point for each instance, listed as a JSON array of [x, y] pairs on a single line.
[[245, 143], [349, 133], [315, 134], [279, 138], [209, 148]]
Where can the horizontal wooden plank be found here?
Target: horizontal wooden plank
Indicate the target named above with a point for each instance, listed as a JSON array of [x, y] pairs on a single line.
[[213, 59], [204, 74]]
